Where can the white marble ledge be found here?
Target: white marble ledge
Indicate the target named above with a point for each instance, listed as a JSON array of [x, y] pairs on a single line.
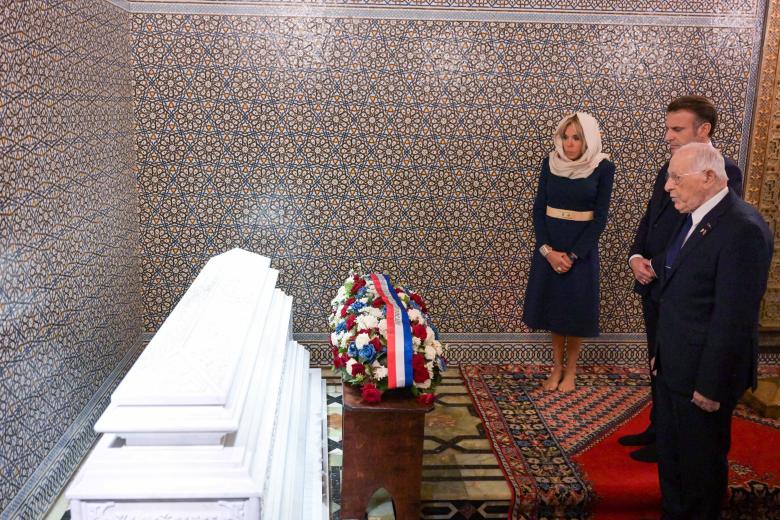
[[156, 473]]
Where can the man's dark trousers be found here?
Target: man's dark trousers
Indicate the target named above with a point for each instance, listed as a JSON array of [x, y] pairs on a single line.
[[650, 314], [703, 441]]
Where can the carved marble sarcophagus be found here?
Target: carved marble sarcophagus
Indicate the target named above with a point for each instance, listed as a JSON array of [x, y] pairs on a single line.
[[220, 418]]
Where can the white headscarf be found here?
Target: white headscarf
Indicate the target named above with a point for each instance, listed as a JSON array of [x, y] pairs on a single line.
[[561, 166]]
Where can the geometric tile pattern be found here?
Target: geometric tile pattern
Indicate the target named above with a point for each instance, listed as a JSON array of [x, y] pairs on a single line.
[[410, 147], [38, 494], [699, 7], [69, 275], [532, 349]]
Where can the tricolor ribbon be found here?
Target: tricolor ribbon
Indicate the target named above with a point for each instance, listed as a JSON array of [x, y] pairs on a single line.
[[399, 334]]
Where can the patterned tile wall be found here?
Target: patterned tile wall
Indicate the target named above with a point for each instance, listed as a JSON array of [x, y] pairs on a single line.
[[405, 146], [697, 7], [69, 274]]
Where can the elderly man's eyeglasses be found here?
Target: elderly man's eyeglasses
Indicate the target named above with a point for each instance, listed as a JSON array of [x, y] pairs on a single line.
[[677, 178]]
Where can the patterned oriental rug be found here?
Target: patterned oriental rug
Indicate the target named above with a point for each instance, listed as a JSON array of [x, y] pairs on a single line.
[[560, 455]]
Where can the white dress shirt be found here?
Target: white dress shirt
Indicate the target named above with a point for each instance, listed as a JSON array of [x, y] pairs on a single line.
[[700, 212]]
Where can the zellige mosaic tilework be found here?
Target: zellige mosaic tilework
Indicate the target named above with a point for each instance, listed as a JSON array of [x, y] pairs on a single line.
[[405, 146], [69, 275], [697, 7]]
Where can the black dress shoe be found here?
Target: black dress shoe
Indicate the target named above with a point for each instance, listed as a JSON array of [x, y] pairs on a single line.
[[639, 439], [647, 453]]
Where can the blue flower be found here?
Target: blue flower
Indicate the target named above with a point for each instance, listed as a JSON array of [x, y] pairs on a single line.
[[352, 350], [355, 307], [342, 326], [367, 353], [361, 292]]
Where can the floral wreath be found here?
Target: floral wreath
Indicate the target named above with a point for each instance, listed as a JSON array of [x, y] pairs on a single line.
[[359, 340]]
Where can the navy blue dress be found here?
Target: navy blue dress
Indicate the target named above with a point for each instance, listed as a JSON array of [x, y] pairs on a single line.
[[568, 303]]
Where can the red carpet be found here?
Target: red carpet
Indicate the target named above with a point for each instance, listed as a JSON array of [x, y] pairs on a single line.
[[624, 489], [561, 457]]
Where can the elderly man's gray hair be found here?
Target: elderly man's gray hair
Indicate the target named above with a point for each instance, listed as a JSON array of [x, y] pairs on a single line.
[[704, 156]]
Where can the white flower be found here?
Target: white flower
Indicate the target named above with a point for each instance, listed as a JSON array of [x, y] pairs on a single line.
[[334, 338], [362, 340], [380, 372], [430, 336], [383, 328], [344, 341], [349, 365], [367, 321], [438, 348], [430, 352], [415, 316], [416, 341], [373, 311]]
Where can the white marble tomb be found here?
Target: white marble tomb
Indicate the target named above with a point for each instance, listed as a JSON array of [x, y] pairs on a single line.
[[220, 418]]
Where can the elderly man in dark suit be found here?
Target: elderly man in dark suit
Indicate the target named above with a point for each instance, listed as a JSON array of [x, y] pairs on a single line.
[[689, 119], [711, 284]]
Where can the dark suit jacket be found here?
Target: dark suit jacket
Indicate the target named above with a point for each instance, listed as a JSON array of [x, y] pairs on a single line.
[[659, 222], [707, 335]]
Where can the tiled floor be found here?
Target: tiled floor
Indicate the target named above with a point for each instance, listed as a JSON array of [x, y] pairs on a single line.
[[461, 477]]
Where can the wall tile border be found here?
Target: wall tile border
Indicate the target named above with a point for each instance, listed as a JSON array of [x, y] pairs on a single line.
[[731, 8], [482, 14], [612, 349]]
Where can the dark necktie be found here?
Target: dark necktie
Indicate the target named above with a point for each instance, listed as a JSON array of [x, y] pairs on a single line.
[[674, 247]]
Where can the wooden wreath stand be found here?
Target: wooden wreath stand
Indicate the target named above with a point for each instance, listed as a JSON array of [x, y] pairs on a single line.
[[382, 448]]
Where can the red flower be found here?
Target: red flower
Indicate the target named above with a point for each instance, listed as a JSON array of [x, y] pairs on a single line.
[[421, 374], [416, 298], [346, 306], [358, 368], [335, 351], [426, 398], [340, 360], [359, 282], [371, 393], [351, 321], [378, 302], [376, 344], [419, 331], [398, 290]]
